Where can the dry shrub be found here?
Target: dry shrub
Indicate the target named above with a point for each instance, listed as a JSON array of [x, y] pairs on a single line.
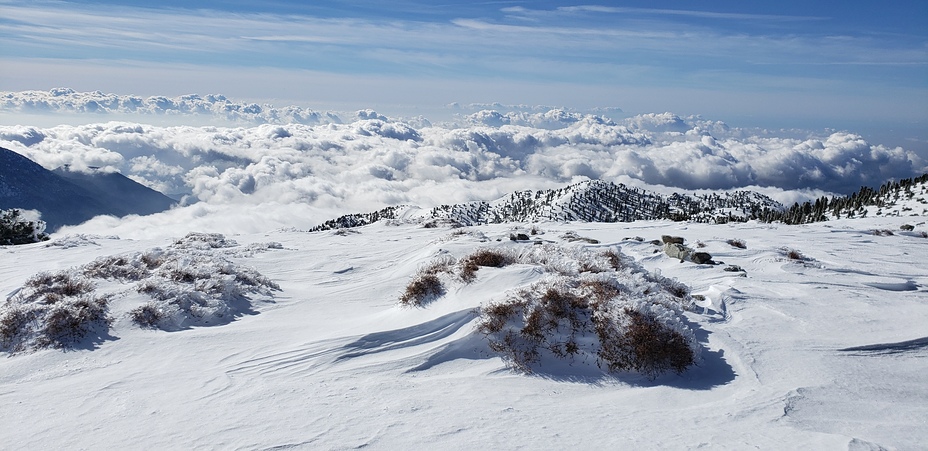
[[443, 264], [740, 244], [653, 348], [423, 288], [491, 258], [14, 319], [193, 284], [793, 254]]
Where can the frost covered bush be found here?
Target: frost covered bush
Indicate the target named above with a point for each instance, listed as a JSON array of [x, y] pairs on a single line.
[[77, 240], [14, 229], [572, 260], [204, 241], [193, 289], [190, 284], [131, 267], [622, 317], [52, 310]]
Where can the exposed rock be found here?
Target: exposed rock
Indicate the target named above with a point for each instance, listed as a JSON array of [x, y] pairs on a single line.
[[672, 239], [518, 237], [907, 227], [734, 268], [676, 250], [702, 258]]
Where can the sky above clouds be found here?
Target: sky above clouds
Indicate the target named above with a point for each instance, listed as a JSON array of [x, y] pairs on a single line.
[[345, 106], [845, 65]]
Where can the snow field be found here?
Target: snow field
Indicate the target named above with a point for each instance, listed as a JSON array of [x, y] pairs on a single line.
[[333, 362]]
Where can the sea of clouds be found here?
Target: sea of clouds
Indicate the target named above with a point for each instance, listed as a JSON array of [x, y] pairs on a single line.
[[292, 166]]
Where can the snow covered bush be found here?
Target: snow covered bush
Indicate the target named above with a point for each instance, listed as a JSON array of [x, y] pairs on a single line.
[[14, 229], [52, 310], [572, 236], [77, 240], [204, 241], [190, 285], [592, 306], [617, 315]]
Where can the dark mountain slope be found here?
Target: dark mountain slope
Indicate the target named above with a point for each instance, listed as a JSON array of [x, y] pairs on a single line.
[[67, 198], [122, 194]]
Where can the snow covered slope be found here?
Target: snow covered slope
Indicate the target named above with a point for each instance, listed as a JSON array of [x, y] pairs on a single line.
[[592, 200], [818, 343]]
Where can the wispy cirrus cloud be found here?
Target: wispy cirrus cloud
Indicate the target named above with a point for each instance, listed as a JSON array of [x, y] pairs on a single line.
[[661, 12], [748, 63]]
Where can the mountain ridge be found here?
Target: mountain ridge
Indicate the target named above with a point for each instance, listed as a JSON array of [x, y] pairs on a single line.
[[602, 201], [591, 201]]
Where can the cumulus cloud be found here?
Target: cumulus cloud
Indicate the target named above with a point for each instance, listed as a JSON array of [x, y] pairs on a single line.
[[69, 101], [296, 173]]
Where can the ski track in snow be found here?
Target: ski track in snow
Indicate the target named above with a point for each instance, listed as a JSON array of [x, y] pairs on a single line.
[[823, 353]]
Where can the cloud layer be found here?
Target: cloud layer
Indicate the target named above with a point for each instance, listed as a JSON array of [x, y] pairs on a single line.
[[299, 170], [69, 101]]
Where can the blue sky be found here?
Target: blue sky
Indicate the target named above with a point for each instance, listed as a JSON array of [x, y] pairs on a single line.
[[839, 64]]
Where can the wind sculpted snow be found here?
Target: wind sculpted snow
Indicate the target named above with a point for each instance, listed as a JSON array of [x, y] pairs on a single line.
[[795, 352]]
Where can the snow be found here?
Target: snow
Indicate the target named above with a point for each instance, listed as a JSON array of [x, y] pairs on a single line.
[[825, 352]]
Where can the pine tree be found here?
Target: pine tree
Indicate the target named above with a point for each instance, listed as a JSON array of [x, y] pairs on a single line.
[[14, 229]]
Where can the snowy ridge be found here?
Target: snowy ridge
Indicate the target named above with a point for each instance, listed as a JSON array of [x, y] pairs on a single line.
[[590, 201], [600, 201]]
